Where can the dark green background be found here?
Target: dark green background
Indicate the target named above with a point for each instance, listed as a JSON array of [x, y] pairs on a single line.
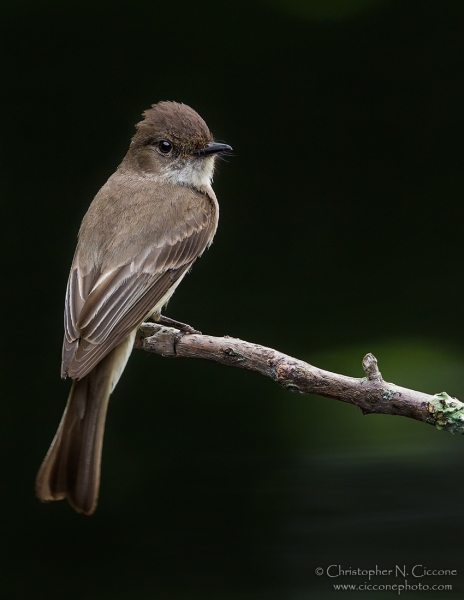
[[340, 234]]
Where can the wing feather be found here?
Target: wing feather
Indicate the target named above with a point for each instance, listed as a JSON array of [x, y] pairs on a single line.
[[103, 308]]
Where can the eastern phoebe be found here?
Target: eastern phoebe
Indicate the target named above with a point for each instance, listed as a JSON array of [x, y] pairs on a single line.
[[143, 231]]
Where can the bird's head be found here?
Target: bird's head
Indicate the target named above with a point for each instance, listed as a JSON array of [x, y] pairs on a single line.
[[174, 144]]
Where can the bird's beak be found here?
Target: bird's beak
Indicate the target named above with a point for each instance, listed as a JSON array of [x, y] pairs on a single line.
[[211, 148]]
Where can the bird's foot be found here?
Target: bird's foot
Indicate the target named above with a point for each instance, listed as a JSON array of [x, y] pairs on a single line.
[[183, 327]]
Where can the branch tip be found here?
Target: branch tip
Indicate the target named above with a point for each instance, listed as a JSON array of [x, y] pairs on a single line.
[[371, 368]]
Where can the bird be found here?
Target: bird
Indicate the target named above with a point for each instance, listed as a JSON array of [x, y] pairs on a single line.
[[140, 236]]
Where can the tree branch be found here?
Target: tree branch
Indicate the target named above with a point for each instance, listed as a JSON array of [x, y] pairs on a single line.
[[371, 393]]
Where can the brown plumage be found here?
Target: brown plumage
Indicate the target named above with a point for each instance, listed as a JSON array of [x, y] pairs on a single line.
[[141, 234]]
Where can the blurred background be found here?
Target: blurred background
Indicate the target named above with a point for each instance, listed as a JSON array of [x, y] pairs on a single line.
[[340, 234]]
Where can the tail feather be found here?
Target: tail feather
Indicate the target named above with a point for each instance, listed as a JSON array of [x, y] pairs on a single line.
[[71, 468]]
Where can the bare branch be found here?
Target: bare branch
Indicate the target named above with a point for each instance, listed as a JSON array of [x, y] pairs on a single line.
[[371, 393]]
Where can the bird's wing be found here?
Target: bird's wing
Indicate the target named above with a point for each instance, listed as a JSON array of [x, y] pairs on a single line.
[[101, 310]]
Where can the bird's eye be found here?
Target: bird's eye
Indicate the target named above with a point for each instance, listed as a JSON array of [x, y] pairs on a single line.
[[164, 147]]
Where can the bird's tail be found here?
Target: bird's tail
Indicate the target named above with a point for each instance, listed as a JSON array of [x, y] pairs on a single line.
[[71, 468]]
